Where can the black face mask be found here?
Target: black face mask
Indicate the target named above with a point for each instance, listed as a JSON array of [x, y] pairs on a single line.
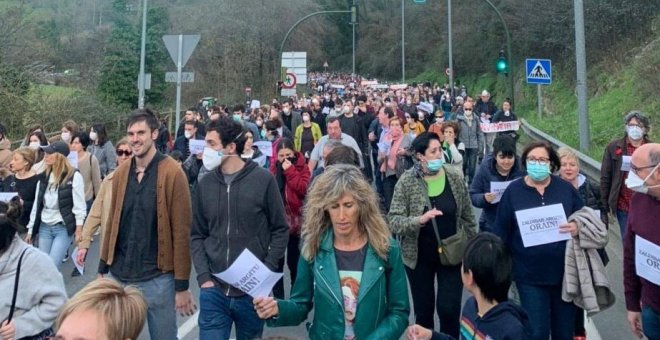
[[293, 159]]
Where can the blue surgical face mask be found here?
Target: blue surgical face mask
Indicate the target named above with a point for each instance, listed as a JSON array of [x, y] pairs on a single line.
[[237, 117], [435, 165], [211, 158], [538, 172]]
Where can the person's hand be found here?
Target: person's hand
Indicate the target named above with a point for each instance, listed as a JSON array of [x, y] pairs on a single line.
[[417, 332], [100, 276], [372, 136], [429, 215], [184, 303], [635, 323], [286, 164], [450, 139], [401, 152], [207, 284], [7, 330], [78, 234], [490, 197], [266, 307], [80, 258], [569, 227], [28, 238]]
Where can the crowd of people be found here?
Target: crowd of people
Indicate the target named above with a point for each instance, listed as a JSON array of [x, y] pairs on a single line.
[[365, 193]]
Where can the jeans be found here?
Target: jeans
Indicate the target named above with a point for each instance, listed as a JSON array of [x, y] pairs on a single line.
[[470, 163], [622, 218], [547, 312], [489, 139], [160, 297], [292, 256], [448, 297], [651, 323], [54, 240], [217, 312]]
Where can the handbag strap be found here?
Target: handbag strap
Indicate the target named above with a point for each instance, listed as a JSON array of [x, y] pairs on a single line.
[[13, 299]]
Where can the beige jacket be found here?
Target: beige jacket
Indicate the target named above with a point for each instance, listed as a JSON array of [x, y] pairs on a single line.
[[585, 280], [98, 213], [5, 153]]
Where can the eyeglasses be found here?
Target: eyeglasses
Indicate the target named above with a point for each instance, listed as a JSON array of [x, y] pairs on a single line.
[[636, 170], [540, 161], [126, 153], [636, 125], [467, 109]]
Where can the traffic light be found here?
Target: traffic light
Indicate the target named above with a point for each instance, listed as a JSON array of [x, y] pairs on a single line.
[[502, 65]]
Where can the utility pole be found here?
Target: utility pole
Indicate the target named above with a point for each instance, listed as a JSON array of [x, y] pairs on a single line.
[[354, 22], [581, 74], [141, 77], [403, 41], [451, 58]]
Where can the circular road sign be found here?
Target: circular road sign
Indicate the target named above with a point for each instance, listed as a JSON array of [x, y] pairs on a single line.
[[290, 81]]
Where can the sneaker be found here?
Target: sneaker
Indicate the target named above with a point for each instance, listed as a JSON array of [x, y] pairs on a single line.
[[75, 273], [66, 257]]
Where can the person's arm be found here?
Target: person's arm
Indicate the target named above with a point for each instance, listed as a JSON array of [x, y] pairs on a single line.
[[96, 175], [79, 204], [279, 228], [456, 156], [466, 219], [398, 307], [606, 179], [294, 311], [315, 156], [399, 217], [478, 188], [505, 221], [93, 220], [47, 299], [110, 157], [297, 180], [198, 234], [297, 138], [33, 212], [180, 211]]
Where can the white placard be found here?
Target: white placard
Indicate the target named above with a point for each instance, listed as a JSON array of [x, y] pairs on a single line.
[[500, 127], [625, 163], [384, 147], [250, 275], [647, 260], [265, 147], [261, 160], [7, 196], [541, 225], [196, 146], [255, 104], [79, 267], [73, 159], [498, 189]]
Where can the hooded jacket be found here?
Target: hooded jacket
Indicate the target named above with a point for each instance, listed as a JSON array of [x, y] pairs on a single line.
[[227, 218], [487, 173], [471, 135], [5, 152], [296, 180], [505, 321]]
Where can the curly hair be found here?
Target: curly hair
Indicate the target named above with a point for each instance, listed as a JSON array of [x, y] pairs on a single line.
[[327, 189]]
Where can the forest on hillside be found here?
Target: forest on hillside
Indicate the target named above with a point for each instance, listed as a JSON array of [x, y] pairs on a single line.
[[80, 58]]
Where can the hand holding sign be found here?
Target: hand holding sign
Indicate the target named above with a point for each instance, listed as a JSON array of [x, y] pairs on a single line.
[[266, 307]]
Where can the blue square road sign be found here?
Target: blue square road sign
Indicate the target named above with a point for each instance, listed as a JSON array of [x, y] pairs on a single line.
[[539, 71]]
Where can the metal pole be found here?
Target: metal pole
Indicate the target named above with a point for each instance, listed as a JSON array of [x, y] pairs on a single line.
[[179, 67], [509, 55], [143, 48], [353, 22], [581, 74], [403, 41], [540, 100], [286, 36], [451, 52]]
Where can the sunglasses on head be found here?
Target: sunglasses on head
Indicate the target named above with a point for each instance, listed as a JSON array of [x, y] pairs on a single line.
[[124, 153]]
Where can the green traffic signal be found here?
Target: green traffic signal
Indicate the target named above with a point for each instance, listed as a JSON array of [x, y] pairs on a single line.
[[501, 65]]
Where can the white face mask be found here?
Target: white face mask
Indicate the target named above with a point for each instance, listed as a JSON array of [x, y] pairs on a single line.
[[286, 111], [93, 136], [188, 134], [34, 145], [211, 158], [66, 136], [305, 118], [635, 132], [634, 183]]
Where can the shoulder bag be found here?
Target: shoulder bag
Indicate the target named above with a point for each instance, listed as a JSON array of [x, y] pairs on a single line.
[[451, 249]]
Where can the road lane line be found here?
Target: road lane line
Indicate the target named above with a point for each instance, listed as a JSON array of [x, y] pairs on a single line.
[[188, 326]]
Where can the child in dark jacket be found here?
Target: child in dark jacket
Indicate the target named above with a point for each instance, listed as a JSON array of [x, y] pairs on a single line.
[[486, 274]]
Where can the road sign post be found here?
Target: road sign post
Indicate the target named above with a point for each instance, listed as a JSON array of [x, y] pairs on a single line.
[[539, 72], [180, 48]]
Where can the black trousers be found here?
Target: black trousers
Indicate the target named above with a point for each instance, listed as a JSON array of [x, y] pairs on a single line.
[[389, 183], [447, 301], [292, 256]]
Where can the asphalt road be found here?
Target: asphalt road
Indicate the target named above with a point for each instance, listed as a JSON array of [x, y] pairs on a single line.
[[610, 324]]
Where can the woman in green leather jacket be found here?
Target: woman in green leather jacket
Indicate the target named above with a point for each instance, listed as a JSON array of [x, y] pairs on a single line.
[[350, 269]]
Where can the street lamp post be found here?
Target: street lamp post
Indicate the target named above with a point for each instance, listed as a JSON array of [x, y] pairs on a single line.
[[451, 52], [141, 77], [403, 41]]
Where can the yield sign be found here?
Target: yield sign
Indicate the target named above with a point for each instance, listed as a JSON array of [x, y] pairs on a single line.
[[188, 46], [290, 80]]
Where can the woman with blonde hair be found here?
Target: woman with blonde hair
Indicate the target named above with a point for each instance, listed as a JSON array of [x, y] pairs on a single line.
[[59, 205], [23, 181], [103, 310], [345, 239]]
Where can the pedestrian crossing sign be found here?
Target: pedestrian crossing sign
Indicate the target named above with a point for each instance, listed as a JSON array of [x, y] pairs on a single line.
[[539, 71]]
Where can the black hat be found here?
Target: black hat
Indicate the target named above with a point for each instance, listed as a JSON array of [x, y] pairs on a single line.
[[59, 147]]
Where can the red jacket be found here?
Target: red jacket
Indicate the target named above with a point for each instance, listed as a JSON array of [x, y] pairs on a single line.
[[295, 188]]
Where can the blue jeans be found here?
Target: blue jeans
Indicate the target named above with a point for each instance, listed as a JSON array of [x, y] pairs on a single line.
[[54, 240], [161, 314], [622, 218], [547, 312], [651, 323], [218, 312]]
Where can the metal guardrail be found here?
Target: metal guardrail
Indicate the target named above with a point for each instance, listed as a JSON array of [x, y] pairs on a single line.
[[588, 166]]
